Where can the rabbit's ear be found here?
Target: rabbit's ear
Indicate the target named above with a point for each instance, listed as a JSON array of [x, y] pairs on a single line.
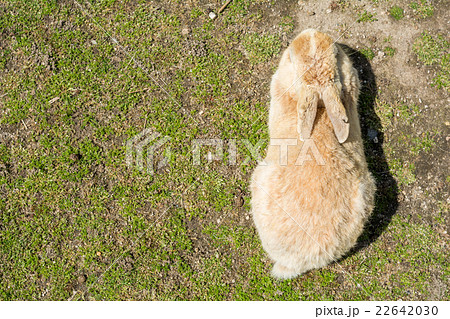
[[336, 111], [306, 111]]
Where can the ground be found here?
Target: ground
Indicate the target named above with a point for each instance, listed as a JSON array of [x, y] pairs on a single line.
[[81, 78]]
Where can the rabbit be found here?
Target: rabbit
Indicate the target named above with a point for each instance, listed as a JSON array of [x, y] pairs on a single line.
[[313, 192]]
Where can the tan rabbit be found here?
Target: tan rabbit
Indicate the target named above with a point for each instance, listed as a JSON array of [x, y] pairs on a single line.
[[313, 192]]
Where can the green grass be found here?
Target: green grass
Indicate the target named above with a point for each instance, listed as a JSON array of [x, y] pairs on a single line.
[[407, 112], [418, 144], [385, 113], [433, 50], [366, 16], [422, 8], [260, 48], [287, 24], [77, 221], [397, 12], [423, 143], [403, 171], [389, 51], [368, 53], [403, 248]]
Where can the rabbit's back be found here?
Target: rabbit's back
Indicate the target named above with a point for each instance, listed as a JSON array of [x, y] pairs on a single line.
[[310, 204], [309, 214]]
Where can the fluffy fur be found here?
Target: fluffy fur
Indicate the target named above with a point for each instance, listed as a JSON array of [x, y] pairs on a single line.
[[311, 214]]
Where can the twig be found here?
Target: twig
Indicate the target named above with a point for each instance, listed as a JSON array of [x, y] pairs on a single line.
[[224, 6]]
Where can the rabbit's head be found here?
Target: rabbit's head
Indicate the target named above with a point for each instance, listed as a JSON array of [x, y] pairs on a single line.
[[313, 58]]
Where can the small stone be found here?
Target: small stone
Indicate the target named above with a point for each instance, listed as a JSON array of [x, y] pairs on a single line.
[[82, 279], [380, 54], [311, 13], [185, 31], [212, 15], [94, 42], [328, 11]]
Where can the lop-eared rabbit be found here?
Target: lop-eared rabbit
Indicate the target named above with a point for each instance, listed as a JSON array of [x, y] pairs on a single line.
[[313, 192]]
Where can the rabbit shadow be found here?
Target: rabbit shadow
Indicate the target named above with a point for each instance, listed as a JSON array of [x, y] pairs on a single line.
[[386, 202]]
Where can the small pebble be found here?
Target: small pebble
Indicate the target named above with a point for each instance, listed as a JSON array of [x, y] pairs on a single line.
[[212, 15]]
